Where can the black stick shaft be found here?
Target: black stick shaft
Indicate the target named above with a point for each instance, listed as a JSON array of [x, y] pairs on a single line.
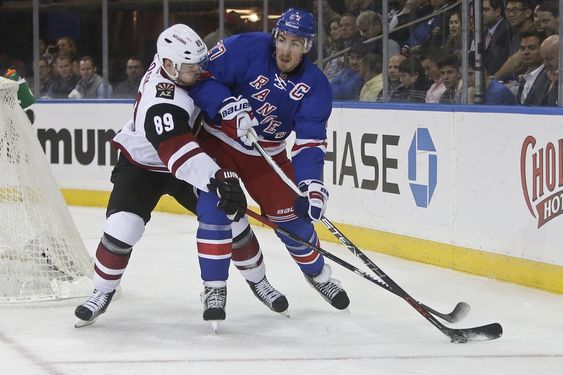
[[491, 331]]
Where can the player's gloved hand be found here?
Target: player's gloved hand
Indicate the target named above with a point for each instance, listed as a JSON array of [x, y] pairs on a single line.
[[315, 200], [231, 197], [238, 118]]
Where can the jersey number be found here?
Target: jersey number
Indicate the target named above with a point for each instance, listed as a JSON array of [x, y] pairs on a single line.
[[164, 123]]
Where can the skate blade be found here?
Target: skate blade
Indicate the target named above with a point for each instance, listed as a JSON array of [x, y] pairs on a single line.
[[284, 313], [215, 326], [79, 323]]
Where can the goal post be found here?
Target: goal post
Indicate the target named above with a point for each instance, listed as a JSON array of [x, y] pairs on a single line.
[[42, 256]]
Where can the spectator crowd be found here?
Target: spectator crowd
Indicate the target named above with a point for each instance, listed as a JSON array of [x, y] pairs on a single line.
[[520, 57], [64, 75]]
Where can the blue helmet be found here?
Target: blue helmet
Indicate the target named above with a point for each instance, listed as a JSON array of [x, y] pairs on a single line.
[[298, 22]]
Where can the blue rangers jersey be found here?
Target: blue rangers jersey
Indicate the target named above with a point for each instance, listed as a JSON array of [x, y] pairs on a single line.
[[299, 102]]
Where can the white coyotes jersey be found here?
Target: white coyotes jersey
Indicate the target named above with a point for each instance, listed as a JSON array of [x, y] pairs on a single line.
[[159, 136]]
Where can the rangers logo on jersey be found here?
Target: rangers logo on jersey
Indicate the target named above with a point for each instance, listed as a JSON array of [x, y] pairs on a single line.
[[279, 82], [165, 90]]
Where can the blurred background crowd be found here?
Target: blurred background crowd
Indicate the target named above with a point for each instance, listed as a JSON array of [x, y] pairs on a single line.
[[371, 50]]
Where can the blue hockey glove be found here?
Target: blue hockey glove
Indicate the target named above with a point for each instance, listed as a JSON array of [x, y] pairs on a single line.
[[238, 118], [315, 199], [231, 196]]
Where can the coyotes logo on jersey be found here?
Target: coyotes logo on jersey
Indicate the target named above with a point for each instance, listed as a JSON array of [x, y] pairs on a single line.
[[165, 90]]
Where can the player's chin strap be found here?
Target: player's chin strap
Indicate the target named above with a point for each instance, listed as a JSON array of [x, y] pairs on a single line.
[[487, 332]]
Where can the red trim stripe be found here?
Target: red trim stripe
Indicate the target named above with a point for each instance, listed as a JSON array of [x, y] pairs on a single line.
[[249, 250], [105, 276], [170, 146], [244, 267], [132, 161], [214, 249], [306, 258], [181, 160], [111, 260], [296, 147]]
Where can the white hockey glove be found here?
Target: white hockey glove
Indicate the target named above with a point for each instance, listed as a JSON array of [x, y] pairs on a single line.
[[238, 118], [315, 200]]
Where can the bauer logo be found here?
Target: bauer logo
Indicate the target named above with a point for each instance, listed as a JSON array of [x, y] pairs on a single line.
[[422, 167], [541, 174]]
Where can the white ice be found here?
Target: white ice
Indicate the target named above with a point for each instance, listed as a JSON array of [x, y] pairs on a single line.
[[155, 327]]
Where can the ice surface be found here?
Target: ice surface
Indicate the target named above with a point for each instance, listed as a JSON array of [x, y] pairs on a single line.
[[155, 326]]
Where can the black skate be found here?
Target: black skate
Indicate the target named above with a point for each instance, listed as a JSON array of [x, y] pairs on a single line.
[[96, 305], [214, 299], [329, 288], [269, 296]]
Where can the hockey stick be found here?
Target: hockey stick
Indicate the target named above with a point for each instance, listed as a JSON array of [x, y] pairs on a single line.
[[459, 312], [451, 317], [487, 332], [457, 335], [461, 309]]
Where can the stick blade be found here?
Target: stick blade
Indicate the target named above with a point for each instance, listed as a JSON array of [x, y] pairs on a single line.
[[483, 333], [459, 312]]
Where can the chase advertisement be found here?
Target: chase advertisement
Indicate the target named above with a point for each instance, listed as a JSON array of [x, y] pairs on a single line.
[[491, 182]]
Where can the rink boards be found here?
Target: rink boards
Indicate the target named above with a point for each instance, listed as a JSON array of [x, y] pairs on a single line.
[[480, 192]]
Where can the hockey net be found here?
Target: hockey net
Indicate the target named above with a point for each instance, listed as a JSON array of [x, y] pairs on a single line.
[[42, 256]]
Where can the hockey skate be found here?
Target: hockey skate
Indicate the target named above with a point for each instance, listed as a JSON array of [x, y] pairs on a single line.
[[92, 308], [270, 296], [214, 299], [329, 288]]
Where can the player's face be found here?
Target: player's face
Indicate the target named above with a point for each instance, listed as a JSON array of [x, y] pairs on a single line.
[[290, 49], [189, 73]]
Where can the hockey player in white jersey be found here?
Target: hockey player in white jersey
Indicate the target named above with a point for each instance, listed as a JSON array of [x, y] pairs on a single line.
[[159, 155]]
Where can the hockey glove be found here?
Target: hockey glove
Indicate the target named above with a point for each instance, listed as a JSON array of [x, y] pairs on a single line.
[[231, 197], [238, 118], [315, 199]]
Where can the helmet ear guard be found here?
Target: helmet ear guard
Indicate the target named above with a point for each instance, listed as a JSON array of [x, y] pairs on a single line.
[[299, 22]]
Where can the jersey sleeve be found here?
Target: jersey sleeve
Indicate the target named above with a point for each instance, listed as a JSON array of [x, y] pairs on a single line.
[[309, 150], [228, 65], [167, 129], [208, 94]]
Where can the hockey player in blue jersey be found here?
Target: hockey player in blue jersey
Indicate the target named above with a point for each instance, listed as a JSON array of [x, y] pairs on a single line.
[[282, 92], [160, 155]]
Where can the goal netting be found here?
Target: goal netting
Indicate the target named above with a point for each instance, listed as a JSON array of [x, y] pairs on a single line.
[[42, 256]]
